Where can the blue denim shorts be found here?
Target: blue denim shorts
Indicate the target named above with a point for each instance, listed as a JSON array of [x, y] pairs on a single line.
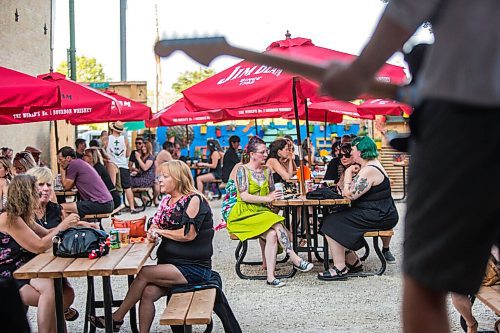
[[195, 274]]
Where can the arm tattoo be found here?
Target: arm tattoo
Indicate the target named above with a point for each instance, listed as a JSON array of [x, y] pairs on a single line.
[[270, 180], [241, 179], [284, 241], [360, 184]]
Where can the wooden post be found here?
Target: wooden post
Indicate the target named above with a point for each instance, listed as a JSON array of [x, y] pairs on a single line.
[[299, 140]]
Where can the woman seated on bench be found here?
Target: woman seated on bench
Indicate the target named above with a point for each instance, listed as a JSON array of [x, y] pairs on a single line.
[[184, 223], [250, 217], [281, 160], [142, 173], [215, 165], [372, 209], [21, 239]]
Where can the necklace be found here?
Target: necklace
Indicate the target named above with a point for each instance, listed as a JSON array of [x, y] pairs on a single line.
[[43, 219]]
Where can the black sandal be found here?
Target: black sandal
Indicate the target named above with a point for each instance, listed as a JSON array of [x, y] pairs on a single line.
[[355, 268], [100, 322], [340, 276]]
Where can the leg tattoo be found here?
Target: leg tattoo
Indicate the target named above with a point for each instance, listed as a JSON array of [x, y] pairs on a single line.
[[285, 241]]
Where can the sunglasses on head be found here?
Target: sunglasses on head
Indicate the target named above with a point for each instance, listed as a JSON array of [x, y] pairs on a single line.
[[346, 155]]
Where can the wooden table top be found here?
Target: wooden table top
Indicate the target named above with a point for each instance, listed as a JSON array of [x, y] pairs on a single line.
[[308, 202], [67, 193], [401, 164], [128, 260]]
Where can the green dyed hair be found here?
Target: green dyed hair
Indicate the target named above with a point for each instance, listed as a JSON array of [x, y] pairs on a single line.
[[366, 146]]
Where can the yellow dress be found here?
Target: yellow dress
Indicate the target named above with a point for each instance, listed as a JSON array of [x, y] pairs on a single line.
[[248, 220]]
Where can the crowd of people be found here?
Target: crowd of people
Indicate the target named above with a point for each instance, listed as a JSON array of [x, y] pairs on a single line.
[[184, 220]]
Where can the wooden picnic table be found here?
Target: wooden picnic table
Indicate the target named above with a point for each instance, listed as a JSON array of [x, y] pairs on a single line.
[[128, 260], [291, 213]]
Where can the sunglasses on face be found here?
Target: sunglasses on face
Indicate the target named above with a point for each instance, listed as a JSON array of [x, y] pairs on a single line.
[[346, 155]]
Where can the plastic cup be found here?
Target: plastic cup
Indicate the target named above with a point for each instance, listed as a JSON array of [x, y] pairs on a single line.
[[124, 236], [279, 187]]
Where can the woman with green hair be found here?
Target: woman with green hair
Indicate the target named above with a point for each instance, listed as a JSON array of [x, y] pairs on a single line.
[[367, 185]]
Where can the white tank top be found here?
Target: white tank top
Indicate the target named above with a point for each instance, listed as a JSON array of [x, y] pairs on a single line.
[[118, 150]]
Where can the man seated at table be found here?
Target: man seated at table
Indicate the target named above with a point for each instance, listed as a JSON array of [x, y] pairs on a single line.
[[231, 157], [94, 196]]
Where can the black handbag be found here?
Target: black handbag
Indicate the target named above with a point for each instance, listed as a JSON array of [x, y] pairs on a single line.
[[79, 243], [323, 193]]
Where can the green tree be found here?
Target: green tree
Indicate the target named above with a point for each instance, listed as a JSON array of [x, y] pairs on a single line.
[[188, 79], [87, 70]]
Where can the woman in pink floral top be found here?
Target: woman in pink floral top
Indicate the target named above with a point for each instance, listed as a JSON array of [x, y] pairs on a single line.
[[184, 224]]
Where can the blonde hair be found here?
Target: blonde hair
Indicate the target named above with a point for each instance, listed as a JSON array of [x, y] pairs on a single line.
[[181, 173], [22, 199], [6, 163], [95, 154], [42, 174], [26, 159]]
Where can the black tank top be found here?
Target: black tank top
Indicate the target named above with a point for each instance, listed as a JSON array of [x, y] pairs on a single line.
[[377, 192]]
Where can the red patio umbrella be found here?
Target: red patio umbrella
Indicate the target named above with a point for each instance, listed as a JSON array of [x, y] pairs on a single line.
[[78, 101], [337, 107], [248, 84], [129, 110], [19, 90], [176, 114], [378, 106]]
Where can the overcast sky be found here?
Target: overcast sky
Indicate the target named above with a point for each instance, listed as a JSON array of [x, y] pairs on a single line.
[[343, 25]]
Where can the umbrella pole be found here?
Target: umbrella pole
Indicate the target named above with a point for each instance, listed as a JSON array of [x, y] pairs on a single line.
[[56, 134], [325, 126], [256, 127], [187, 140], [299, 139], [308, 139]]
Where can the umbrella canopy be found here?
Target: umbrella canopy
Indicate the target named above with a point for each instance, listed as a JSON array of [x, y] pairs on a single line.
[[19, 90], [176, 114], [247, 84], [78, 101], [337, 107], [378, 106], [333, 115], [129, 110]]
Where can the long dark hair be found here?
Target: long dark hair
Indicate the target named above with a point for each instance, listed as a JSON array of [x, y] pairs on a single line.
[[275, 146], [213, 145]]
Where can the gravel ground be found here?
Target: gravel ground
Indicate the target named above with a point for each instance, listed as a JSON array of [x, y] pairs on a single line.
[[305, 304]]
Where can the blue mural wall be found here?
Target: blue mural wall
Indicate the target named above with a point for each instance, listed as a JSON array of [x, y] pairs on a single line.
[[272, 131]]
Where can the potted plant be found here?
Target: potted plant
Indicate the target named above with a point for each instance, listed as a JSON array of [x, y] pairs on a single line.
[[378, 142]]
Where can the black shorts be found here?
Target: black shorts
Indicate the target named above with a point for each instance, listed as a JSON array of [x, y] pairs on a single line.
[[453, 202], [194, 274], [125, 178], [90, 207]]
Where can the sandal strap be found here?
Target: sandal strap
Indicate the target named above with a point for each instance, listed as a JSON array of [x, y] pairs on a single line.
[[340, 272]]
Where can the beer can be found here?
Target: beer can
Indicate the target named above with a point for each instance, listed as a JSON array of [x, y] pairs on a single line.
[[114, 236]]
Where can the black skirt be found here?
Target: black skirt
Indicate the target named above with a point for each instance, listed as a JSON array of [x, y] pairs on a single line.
[[348, 226]]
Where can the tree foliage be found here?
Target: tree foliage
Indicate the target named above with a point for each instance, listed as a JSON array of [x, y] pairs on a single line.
[[87, 70], [190, 78]]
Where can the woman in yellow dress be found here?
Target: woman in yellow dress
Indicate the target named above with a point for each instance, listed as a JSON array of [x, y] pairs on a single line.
[[250, 217]]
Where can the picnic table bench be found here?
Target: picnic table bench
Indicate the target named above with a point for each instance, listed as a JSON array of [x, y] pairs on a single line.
[[190, 308], [489, 296], [128, 260]]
